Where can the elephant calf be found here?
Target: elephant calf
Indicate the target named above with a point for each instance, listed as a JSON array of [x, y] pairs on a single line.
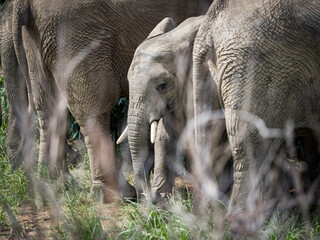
[[160, 89]]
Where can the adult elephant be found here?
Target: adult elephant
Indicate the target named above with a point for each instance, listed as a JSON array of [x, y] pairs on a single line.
[[264, 56], [80, 52]]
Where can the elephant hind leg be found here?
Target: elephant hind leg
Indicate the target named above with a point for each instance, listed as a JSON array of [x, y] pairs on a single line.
[[52, 113], [19, 132], [53, 140]]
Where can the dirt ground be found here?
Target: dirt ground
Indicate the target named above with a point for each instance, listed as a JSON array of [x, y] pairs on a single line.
[[35, 223]]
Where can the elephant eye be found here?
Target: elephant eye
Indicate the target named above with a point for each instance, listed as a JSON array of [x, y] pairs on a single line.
[[161, 87]]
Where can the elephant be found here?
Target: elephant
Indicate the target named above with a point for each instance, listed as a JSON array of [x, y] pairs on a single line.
[[20, 135], [78, 54], [160, 103], [156, 102], [264, 58], [15, 85]]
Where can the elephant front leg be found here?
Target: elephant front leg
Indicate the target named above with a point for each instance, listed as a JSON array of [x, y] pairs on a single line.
[[240, 188], [244, 210], [253, 158], [164, 175], [105, 172]]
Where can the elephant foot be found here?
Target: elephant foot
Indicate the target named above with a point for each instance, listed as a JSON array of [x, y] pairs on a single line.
[[97, 194], [240, 225], [102, 194], [127, 192], [124, 191], [158, 197]]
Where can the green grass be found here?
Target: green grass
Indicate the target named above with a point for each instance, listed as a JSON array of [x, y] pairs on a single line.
[[80, 219], [292, 227], [151, 222]]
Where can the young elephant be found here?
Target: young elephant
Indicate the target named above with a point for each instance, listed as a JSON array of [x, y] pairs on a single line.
[[160, 89]]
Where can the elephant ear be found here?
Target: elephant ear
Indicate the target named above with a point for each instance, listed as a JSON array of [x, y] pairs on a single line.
[[166, 25]]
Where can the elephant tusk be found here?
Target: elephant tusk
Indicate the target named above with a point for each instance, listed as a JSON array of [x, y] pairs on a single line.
[[153, 133], [123, 135]]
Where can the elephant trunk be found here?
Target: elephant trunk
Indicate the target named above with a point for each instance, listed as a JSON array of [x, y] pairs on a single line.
[[138, 136]]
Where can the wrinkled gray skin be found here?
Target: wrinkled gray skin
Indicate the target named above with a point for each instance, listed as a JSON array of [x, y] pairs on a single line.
[[19, 136], [80, 52], [264, 56], [160, 89], [15, 85]]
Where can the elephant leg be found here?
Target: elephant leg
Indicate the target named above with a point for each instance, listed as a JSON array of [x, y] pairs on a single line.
[[19, 129], [91, 98], [102, 159], [53, 129], [52, 148], [104, 167], [163, 176], [253, 157], [52, 111]]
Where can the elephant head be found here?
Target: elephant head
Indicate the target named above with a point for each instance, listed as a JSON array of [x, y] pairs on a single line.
[[158, 79]]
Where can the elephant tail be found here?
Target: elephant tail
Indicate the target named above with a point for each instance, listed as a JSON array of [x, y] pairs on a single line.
[[20, 18]]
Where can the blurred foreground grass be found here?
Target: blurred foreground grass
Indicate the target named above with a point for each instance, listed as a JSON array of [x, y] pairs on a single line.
[[71, 213]]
